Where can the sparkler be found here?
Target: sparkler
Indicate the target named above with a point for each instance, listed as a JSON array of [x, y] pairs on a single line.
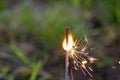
[[78, 54], [67, 58]]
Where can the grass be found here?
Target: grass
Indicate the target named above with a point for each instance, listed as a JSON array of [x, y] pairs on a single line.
[[45, 31]]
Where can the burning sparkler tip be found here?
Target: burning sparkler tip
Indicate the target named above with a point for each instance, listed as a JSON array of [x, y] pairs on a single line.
[[78, 53], [68, 42]]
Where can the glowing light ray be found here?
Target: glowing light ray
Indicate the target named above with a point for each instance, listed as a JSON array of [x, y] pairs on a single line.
[[83, 71], [90, 69], [88, 72]]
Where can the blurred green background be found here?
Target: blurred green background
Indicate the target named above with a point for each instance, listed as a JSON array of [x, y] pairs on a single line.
[[32, 31]]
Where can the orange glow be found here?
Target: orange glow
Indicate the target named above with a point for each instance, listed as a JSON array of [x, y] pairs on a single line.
[[68, 46]]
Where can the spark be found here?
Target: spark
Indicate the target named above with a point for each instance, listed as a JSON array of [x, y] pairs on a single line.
[[77, 51], [118, 62], [84, 62], [92, 59]]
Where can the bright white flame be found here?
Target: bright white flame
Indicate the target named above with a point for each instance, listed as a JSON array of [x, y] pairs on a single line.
[[68, 46]]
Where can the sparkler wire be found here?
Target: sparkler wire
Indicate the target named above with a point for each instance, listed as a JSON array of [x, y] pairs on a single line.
[[67, 58]]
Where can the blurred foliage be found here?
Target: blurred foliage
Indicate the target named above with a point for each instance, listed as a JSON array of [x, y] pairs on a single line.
[[4, 71], [42, 24], [36, 69], [3, 4], [19, 54]]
